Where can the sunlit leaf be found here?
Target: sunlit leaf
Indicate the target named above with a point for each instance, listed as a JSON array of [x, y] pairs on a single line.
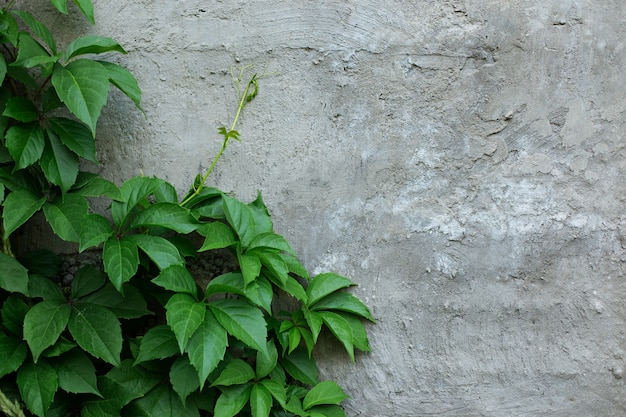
[[326, 392], [124, 80], [324, 284], [91, 45], [241, 320]]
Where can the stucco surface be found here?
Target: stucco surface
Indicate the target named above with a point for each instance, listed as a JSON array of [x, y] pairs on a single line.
[[463, 161]]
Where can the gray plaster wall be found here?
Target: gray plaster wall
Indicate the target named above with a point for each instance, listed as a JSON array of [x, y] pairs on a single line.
[[462, 161]]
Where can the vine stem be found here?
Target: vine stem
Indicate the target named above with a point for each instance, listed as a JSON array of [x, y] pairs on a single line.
[[244, 99]]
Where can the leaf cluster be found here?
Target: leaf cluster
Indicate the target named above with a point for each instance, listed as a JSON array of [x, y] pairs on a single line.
[[141, 336]]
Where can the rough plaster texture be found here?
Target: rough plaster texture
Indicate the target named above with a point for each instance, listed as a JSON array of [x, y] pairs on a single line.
[[463, 161]]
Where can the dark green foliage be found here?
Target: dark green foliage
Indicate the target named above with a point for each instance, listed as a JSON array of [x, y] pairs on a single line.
[[143, 337]]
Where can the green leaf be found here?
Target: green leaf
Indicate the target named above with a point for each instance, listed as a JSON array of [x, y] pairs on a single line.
[[160, 250], [65, 215], [25, 144], [43, 325], [77, 373], [262, 218], [232, 400], [241, 218], [166, 193], [126, 382], [207, 346], [276, 389], [236, 372], [314, 321], [131, 305], [161, 402], [295, 267], [9, 28], [121, 260], [60, 347], [60, 5], [13, 312], [300, 366], [242, 320], [83, 85], [91, 45], [250, 267], [37, 382], [75, 136], [359, 334], [98, 187], [326, 411], [19, 206], [324, 284], [292, 287], [86, 7], [42, 261], [275, 264], [31, 53], [94, 230], [124, 80], [176, 278], [217, 235], [21, 109], [159, 342], [96, 330], [265, 363], [133, 191], [343, 301], [38, 28], [3, 73], [168, 215], [270, 241], [184, 315], [87, 281], [59, 164], [13, 353], [183, 378], [326, 392], [260, 401], [13, 276], [341, 329]]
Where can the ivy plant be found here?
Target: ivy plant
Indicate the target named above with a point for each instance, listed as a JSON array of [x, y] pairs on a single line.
[[142, 336]]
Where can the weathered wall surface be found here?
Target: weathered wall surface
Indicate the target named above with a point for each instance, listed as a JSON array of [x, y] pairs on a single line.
[[463, 161]]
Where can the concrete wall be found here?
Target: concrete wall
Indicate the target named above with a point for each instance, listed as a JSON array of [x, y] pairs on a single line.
[[463, 161]]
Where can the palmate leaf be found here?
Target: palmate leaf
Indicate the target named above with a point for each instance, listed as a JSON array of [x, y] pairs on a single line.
[[91, 45], [13, 353], [85, 6], [75, 136], [232, 400], [260, 401], [343, 301], [243, 321], [168, 215], [326, 392], [59, 164], [162, 252], [94, 230], [38, 28], [37, 383], [184, 315], [65, 215], [133, 191], [324, 284], [25, 144], [19, 206], [13, 276], [176, 278], [97, 331], [161, 402], [124, 80], [43, 325], [236, 372], [217, 235], [21, 109], [77, 373], [241, 218], [121, 260], [83, 85], [207, 346], [183, 378], [158, 343]]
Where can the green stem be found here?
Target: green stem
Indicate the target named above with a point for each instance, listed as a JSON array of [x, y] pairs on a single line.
[[244, 99]]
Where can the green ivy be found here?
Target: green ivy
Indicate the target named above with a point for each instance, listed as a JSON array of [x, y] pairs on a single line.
[[142, 337]]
